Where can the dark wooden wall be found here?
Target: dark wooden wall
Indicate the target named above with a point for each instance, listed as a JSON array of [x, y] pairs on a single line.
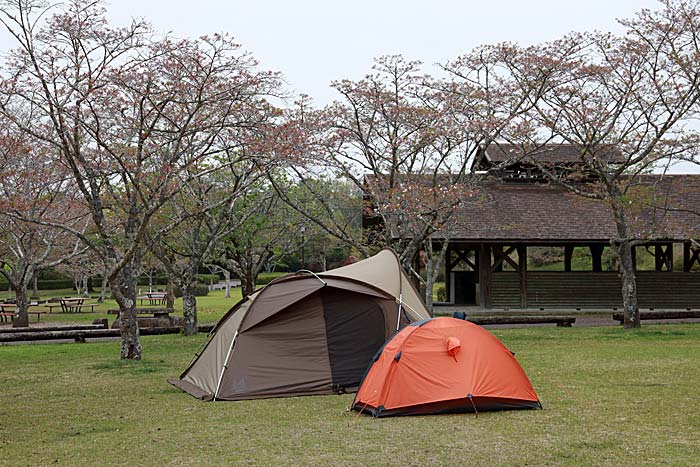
[[594, 289]]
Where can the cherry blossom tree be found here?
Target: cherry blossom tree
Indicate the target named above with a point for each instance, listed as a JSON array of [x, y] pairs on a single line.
[[624, 103], [406, 141], [34, 187], [128, 115]]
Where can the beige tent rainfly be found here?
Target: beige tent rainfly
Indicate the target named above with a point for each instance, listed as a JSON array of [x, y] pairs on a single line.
[[305, 333]]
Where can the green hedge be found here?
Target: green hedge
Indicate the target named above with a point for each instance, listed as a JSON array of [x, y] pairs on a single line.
[[47, 284], [162, 280], [200, 290], [441, 293], [267, 277]]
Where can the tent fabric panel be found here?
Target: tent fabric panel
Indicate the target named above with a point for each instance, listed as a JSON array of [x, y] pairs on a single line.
[[355, 330], [273, 299], [354, 286], [427, 373], [191, 389], [372, 387], [383, 271], [234, 309], [463, 405], [285, 355], [205, 371], [415, 368]]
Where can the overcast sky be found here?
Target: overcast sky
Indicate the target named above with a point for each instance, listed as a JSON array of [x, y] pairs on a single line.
[[313, 42]]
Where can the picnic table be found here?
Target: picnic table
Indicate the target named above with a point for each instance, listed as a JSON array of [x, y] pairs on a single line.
[[8, 311], [75, 304], [153, 298], [156, 312]]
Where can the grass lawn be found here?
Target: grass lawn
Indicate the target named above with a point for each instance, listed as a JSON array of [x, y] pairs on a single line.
[[209, 308], [610, 396]]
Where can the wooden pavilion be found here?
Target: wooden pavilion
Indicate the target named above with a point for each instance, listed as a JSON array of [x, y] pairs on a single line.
[[519, 212]]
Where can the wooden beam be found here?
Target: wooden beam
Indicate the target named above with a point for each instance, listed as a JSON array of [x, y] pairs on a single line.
[[484, 268], [448, 272], [597, 257], [522, 270], [501, 256], [663, 257], [691, 256], [462, 255], [568, 253]]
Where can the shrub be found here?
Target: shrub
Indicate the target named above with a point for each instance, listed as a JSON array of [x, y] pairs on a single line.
[[200, 290], [267, 277], [441, 293]]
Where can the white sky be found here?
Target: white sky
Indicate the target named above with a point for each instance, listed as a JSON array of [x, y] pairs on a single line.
[[313, 42]]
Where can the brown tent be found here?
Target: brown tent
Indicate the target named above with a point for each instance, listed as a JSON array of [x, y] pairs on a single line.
[[305, 333]]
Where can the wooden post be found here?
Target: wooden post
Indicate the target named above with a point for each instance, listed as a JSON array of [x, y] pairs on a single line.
[[497, 254], [448, 271], [522, 269], [663, 257], [597, 257], [484, 264], [634, 257], [686, 257], [568, 253]]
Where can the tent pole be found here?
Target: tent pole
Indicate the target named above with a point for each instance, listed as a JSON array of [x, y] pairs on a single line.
[[312, 273], [398, 318], [405, 305], [223, 368]]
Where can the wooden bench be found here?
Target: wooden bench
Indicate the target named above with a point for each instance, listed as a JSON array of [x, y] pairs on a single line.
[[38, 314], [53, 327], [560, 321], [6, 316], [156, 312], [79, 308], [79, 335], [660, 315], [51, 306]]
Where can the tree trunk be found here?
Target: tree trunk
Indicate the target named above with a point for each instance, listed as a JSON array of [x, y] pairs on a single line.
[[625, 253], [21, 312], [189, 309], [103, 289], [227, 276], [187, 283], [35, 286], [124, 291], [248, 282], [170, 293], [629, 286], [86, 282], [433, 266]]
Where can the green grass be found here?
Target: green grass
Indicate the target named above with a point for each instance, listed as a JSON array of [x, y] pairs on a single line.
[[209, 308], [610, 396]]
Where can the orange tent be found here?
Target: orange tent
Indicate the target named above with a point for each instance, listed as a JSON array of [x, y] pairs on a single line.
[[443, 365]]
